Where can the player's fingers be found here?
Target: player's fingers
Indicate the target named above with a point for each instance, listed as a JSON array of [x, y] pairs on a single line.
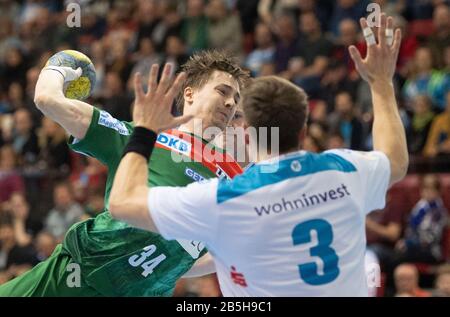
[[389, 31], [78, 72], [355, 55], [138, 91], [176, 86], [367, 32], [382, 31], [166, 77], [153, 79], [397, 42]]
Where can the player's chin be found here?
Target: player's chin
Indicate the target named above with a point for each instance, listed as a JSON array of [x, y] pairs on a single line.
[[220, 124]]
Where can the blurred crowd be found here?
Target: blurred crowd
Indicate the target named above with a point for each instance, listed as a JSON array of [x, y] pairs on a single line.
[[45, 188]]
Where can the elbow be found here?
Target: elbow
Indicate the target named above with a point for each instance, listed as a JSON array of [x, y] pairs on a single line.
[[41, 99], [44, 100], [399, 169]]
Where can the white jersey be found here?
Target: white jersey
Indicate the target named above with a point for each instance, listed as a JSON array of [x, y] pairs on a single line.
[[288, 227]]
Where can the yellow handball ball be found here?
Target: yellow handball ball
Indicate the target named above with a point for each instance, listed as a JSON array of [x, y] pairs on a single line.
[[82, 87]]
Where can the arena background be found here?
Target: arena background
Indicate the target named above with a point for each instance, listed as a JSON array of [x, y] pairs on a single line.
[[45, 188]]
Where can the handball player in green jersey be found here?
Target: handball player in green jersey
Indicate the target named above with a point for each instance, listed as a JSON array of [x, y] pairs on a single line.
[[105, 257]]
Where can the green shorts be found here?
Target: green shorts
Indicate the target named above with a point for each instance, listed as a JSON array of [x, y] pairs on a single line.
[[56, 276]]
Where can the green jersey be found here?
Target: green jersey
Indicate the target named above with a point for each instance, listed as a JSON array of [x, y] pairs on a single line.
[[119, 260]]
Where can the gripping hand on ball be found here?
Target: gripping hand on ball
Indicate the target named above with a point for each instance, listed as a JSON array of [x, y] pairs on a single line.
[[69, 74]]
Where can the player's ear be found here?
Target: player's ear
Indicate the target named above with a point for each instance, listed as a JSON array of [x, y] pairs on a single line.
[[188, 94]]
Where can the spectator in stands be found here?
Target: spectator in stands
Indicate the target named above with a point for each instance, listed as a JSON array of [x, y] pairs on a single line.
[[335, 80], [420, 124], [53, 145], [417, 10], [319, 134], [270, 10], [24, 226], [175, 52], [318, 112], [391, 8], [264, 51], [144, 58], [335, 141], [312, 144], [45, 244], [347, 9], [438, 141], [169, 25], [428, 219], [95, 202], [425, 80], [408, 47], [345, 121], [15, 244], [348, 35], [194, 30], [119, 61], [114, 98], [25, 141], [65, 212], [286, 43], [383, 230], [442, 288], [14, 68], [248, 12], [148, 19], [224, 28], [407, 282], [312, 55], [10, 179], [441, 35], [16, 96], [90, 178]]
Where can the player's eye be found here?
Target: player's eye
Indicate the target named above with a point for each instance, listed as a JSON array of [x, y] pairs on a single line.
[[221, 92]]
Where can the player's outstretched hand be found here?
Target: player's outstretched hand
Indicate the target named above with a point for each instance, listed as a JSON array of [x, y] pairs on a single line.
[[381, 58], [152, 110]]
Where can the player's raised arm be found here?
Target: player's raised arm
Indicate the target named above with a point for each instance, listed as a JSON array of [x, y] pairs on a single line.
[[128, 200], [378, 69], [73, 115]]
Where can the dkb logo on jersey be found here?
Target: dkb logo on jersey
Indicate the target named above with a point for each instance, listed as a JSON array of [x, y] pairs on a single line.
[[174, 143]]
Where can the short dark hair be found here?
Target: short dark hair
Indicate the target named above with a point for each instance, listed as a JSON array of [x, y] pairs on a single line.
[[272, 101], [200, 67]]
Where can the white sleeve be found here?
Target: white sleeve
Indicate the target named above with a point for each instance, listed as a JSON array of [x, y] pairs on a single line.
[[185, 212], [374, 171]]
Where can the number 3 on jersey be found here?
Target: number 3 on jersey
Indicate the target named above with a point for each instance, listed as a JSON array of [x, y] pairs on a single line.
[[309, 271], [139, 260]]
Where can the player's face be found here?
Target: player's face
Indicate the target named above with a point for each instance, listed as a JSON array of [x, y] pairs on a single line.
[[215, 103]]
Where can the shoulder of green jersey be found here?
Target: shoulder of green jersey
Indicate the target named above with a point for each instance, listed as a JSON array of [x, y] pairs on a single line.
[[106, 120]]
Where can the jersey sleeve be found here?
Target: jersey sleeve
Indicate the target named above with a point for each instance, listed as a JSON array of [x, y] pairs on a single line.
[[374, 172], [105, 139], [185, 212]]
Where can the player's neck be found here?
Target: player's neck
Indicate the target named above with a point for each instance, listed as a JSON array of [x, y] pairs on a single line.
[[195, 130]]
